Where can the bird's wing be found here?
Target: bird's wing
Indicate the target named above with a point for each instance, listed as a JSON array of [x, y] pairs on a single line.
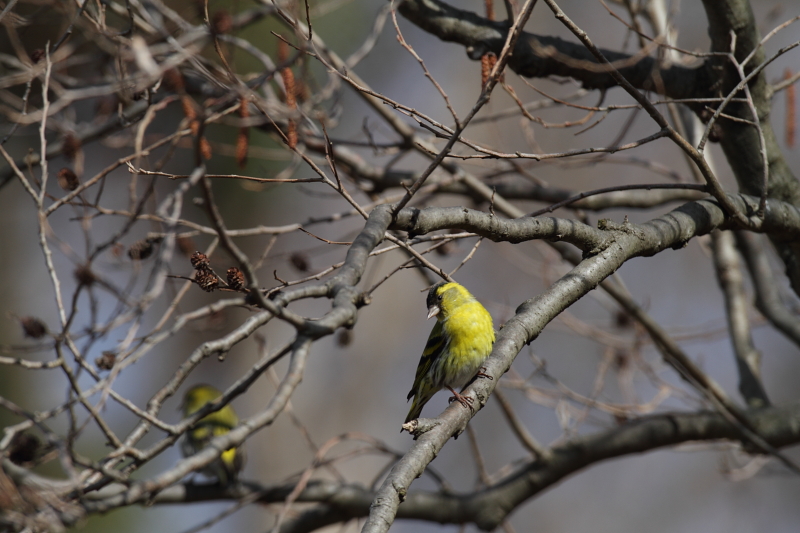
[[225, 418], [434, 348]]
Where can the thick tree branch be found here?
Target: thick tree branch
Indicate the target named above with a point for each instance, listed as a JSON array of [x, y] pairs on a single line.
[[629, 240], [541, 56], [537, 56], [740, 141], [673, 229], [170, 61], [488, 507]]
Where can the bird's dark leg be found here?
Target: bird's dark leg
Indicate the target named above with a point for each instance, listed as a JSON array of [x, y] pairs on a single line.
[[463, 400]]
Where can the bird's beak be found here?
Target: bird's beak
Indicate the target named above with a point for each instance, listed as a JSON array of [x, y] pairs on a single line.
[[433, 311]]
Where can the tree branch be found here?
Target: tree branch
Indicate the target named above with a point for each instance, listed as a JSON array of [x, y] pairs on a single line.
[[768, 300], [488, 507], [748, 359], [629, 240], [537, 56]]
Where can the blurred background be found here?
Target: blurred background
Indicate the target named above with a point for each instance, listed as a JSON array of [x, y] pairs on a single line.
[[356, 381]]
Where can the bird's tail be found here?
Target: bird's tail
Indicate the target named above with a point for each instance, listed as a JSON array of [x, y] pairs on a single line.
[[420, 399]]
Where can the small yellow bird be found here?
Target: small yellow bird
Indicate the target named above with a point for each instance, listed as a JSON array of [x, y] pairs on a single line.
[[226, 467], [458, 345]]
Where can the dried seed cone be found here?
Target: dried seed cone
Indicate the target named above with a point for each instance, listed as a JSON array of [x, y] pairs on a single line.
[[199, 261], [235, 279], [206, 280]]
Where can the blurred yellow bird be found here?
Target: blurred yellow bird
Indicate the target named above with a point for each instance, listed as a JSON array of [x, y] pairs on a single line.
[[458, 345], [226, 467]]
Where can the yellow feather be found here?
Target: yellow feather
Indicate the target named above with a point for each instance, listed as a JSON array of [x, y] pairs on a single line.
[[231, 461], [457, 346]]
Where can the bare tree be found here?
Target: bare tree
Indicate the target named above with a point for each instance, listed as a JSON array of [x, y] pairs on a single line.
[[123, 122]]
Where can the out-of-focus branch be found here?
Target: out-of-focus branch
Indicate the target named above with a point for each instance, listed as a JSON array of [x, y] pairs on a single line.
[[506, 52], [768, 299], [740, 141], [541, 452], [629, 240], [542, 56], [778, 425], [119, 121], [485, 508], [715, 187], [142, 490], [686, 368], [170, 64], [381, 179], [748, 359]]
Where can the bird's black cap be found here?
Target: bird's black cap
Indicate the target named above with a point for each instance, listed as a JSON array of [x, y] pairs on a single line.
[[432, 294]]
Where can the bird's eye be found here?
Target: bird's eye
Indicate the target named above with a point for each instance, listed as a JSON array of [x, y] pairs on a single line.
[[440, 297]]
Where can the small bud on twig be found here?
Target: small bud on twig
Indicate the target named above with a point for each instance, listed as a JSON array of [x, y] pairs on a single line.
[[106, 361], [299, 261], [24, 448], [70, 146], [185, 245], [221, 22], [243, 139], [84, 275], [33, 327], [67, 179]]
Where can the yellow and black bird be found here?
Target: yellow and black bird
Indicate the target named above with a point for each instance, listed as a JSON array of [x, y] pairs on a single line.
[[228, 465], [457, 346]]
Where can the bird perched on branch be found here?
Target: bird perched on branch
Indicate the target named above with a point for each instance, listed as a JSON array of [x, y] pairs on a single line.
[[225, 467], [457, 346]]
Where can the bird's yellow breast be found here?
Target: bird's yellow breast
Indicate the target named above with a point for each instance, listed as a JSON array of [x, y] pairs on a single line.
[[470, 329], [471, 335]]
